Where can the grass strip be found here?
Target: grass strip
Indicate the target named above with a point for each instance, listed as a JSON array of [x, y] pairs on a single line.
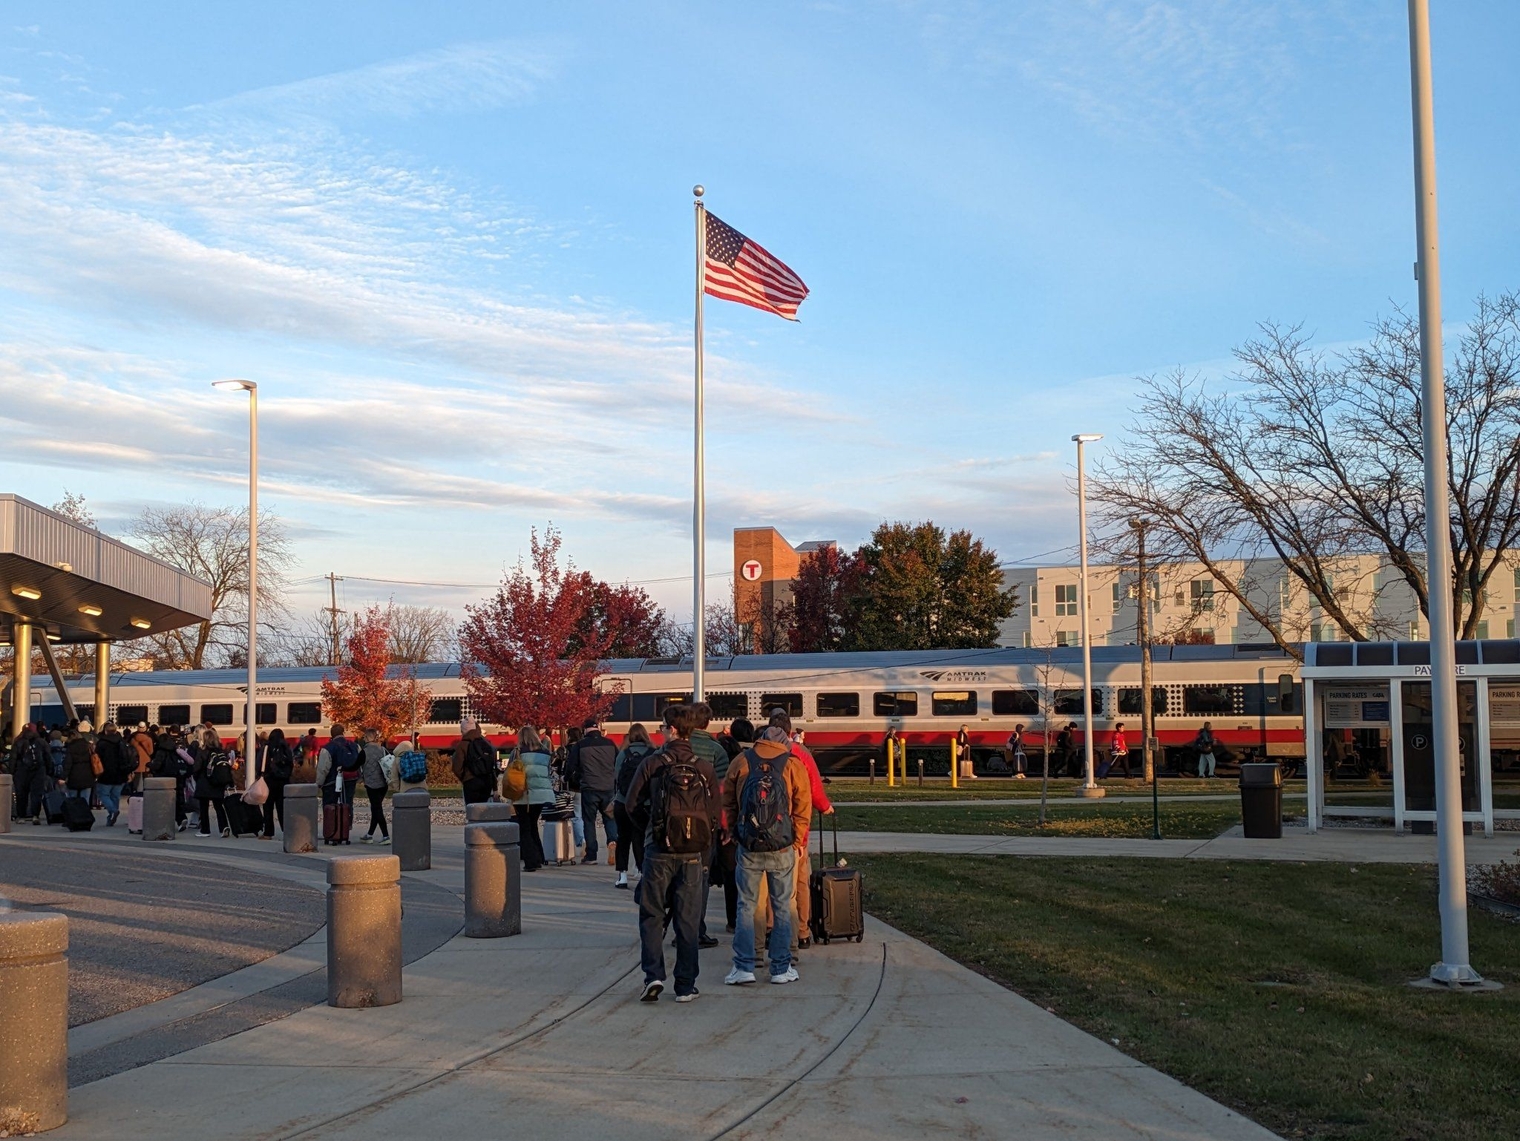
[[1277, 989], [1179, 821]]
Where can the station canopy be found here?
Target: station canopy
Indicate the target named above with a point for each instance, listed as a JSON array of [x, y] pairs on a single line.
[[84, 587]]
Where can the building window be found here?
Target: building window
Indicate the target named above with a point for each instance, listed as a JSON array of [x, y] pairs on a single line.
[[839, 705], [1034, 596], [1029, 640], [305, 713], [1483, 630], [1414, 631], [1202, 592], [1509, 628], [1322, 632], [894, 704], [1284, 595], [1517, 584], [1063, 638], [1118, 597], [1066, 600], [953, 703]]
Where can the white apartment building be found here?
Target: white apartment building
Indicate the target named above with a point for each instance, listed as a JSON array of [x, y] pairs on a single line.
[[1187, 603]]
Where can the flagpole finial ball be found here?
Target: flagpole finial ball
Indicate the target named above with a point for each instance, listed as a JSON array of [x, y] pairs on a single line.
[[697, 190]]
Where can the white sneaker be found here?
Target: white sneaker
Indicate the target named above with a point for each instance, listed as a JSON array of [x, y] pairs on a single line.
[[791, 976], [383, 840], [622, 880], [689, 996], [366, 840], [651, 991], [736, 977]]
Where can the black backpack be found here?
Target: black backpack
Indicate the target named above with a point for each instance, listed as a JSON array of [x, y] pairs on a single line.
[[631, 762], [678, 807], [765, 806], [480, 759], [219, 771]]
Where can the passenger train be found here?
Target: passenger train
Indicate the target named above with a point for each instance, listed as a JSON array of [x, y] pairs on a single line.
[[844, 703]]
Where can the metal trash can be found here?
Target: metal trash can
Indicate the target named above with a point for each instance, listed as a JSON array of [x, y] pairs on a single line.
[[1261, 801]]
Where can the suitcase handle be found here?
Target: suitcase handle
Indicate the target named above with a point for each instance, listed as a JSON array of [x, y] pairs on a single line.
[[822, 858]]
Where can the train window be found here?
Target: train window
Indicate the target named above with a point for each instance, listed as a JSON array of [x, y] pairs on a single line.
[[1129, 701], [663, 701], [1015, 703], [1069, 701], [174, 715], [1206, 699], [791, 702], [953, 703], [308, 713], [217, 714], [131, 715], [727, 706], [442, 710], [839, 705], [621, 708], [267, 712], [894, 704]]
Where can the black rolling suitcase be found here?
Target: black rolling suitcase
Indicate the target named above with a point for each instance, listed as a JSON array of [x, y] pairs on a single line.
[[52, 806], [837, 896], [77, 816]]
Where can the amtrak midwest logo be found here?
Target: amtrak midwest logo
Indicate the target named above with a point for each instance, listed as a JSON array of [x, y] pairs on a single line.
[[954, 675]]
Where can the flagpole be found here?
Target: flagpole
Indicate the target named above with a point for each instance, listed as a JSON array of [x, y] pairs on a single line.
[[699, 483]]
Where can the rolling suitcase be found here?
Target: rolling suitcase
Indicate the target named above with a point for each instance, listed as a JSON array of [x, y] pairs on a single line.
[[77, 816], [134, 815], [837, 897], [52, 806], [559, 841]]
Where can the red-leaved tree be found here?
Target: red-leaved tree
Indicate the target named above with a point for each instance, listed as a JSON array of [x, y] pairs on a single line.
[[365, 695], [820, 601], [624, 620], [530, 653]]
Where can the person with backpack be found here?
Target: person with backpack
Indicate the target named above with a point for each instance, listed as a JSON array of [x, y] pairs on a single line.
[[674, 802], [168, 764], [338, 767], [376, 785], [278, 768], [636, 746], [117, 760], [411, 765], [474, 763], [740, 736], [802, 894], [1017, 758], [589, 770], [214, 779], [29, 768], [768, 804], [1118, 751], [1204, 745], [79, 764], [537, 794]]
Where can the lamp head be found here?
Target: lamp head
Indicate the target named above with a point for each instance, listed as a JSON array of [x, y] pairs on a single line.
[[245, 385], [1086, 437]]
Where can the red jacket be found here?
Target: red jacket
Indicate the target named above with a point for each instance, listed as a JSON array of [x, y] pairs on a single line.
[[820, 797]]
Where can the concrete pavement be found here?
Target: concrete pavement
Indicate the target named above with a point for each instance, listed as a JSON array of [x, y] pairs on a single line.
[[542, 1035]]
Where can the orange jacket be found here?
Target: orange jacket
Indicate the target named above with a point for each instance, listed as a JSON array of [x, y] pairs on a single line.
[[795, 775]]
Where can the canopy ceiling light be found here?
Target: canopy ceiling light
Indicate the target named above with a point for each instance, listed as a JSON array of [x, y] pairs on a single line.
[[26, 592], [141, 623], [92, 611]]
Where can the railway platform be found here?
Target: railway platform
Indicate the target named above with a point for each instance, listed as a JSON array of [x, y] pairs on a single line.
[[542, 1035]]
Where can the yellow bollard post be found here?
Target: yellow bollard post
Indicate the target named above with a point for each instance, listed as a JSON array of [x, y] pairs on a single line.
[[891, 777], [955, 764], [902, 745]]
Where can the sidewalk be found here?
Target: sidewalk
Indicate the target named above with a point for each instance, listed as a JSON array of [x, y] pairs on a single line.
[[1346, 845], [541, 1035]]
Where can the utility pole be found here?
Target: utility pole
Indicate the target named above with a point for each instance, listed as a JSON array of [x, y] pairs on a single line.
[[333, 580], [1143, 636]]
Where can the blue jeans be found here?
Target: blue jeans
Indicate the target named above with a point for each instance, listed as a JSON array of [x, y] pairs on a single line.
[[671, 885], [79, 793], [751, 870], [110, 797], [594, 804]]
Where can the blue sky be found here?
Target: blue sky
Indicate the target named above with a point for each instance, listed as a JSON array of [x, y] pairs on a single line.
[[453, 243]]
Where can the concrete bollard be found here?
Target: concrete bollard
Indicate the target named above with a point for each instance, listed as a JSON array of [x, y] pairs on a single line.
[[7, 801], [158, 808], [303, 817], [487, 812], [363, 931], [492, 881], [34, 1022], [412, 829]]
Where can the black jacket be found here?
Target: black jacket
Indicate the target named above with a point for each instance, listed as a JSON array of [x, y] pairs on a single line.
[[117, 758], [29, 754], [651, 772], [78, 772], [592, 764]]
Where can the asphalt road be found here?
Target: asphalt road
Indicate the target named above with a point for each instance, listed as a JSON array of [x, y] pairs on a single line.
[[142, 928]]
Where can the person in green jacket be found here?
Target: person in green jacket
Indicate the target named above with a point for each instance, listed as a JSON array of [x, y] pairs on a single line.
[[539, 793]]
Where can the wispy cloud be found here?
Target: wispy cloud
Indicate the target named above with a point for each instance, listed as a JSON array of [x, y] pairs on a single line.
[[470, 76]]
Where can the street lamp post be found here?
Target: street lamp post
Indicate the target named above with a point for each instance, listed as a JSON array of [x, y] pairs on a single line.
[[1090, 787], [251, 745]]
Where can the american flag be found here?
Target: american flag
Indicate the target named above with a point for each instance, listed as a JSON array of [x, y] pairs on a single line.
[[739, 269]]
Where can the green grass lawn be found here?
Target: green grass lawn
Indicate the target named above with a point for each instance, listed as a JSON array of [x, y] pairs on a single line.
[[854, 789], [1277, 989], [1201, 821]]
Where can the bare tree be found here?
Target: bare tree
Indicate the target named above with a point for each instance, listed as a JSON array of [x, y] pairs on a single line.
[[72, 506], [422, 633], [211, 543], [1305, 461]]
